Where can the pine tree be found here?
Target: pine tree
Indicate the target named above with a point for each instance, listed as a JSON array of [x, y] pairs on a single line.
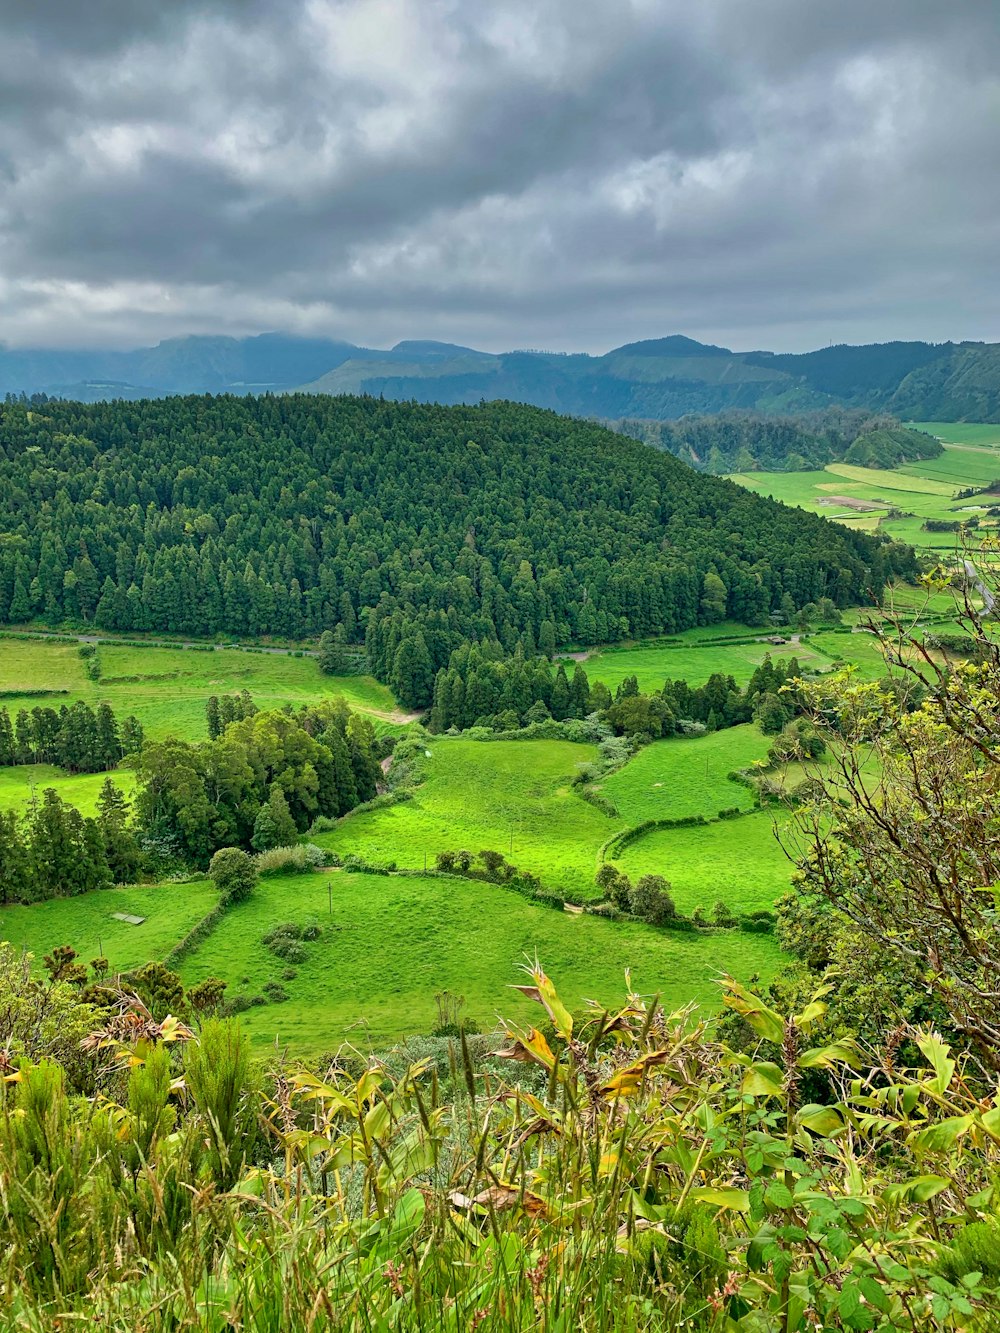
[[120, 846], [212, 718]]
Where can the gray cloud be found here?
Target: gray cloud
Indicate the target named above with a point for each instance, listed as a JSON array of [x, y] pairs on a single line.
[[570, 173]]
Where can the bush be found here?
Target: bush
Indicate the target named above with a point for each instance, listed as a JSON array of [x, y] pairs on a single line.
[[722, 916], [650, 900], [275, 993], [300, 859], [233, 873]]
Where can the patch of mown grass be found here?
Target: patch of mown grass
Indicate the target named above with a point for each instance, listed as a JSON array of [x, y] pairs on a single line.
[[87, 924], [393, 941]]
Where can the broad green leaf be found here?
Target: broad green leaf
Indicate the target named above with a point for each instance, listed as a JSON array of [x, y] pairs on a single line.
[[825, 1057], [938, 1055], [763, 1080], [723, 1197], [763, 1020], [778, 1195], [820, 1119], [943, 1136], [917, 1190]]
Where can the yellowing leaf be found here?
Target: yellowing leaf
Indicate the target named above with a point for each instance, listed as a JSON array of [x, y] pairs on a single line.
[[723, 1196], [763, 1080]]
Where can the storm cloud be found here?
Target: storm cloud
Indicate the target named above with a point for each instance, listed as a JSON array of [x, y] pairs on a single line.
[[559, 173]]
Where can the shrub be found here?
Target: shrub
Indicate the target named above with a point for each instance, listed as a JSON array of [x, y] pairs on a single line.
[[650, 900], [275, 993], [298, 859], [722, 916], [233, 873]]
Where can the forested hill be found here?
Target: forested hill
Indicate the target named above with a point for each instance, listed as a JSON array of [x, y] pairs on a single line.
[[288, 515], [659, 379], [749, 441]]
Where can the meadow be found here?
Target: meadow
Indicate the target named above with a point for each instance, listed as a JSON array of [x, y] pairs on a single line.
[[87, 922], [961, 432], [167, 688], [676, 778], [924, 490], [513, 797], [737, 861], [389, 945], [393, 942], [691, 660], [26, 782]]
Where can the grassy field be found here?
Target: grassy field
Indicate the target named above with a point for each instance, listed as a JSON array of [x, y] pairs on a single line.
[[692, 661], [923, 490], [389, 945], [167, 688], [515, 797], [676, 778], [509, 796], [87, 923], [961, 432], [392, 942], [18, 785], [735, 860]]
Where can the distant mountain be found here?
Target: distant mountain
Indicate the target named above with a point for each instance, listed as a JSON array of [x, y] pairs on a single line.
[[659, 379]]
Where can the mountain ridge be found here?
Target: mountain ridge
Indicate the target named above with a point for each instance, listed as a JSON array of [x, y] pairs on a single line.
[[656, 379]]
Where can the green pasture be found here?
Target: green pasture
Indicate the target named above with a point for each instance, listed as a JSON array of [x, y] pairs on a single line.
[[167, 688], [86, 922], [923, 490], [735, 860], [392, 942], [18, 786], [961, 432], [676, 778], [652, 664], [513, 797]]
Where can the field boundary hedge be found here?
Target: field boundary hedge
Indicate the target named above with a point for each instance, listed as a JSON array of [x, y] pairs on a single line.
[[195, 936]]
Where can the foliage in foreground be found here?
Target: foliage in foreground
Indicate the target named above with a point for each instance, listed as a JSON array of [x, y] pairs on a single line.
[[631, 1174]]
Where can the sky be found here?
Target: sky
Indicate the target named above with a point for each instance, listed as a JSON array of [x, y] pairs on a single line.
[[564, 174]]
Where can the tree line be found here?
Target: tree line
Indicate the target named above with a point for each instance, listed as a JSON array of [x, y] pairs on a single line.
[[257, 785], [53, 851], [317, 762], [74, 736], [416, 526], [482, 688], [750, 441]]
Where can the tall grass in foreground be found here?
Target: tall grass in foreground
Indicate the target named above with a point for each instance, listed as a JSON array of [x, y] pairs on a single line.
[[629, 1175]]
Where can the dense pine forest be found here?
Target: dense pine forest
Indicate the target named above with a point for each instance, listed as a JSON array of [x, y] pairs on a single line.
[[751, 441], [422, 526]]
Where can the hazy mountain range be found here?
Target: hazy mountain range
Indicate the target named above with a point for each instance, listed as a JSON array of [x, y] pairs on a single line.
[[659, 379]]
